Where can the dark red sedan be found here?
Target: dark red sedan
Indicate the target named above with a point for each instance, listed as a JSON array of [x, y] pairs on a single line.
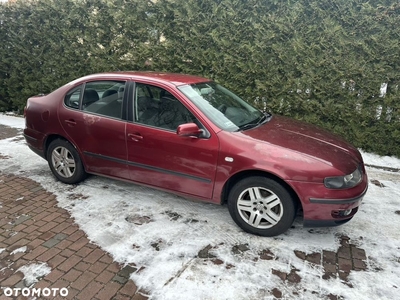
[[191, 136]]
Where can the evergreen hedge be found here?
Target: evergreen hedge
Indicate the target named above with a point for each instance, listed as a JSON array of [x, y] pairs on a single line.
[[323, 62]]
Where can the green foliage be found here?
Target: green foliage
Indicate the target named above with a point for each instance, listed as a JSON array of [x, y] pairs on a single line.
[[51, 42], [323, 62]]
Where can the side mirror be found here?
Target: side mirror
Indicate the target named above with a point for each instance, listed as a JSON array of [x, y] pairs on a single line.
[[189, 129]]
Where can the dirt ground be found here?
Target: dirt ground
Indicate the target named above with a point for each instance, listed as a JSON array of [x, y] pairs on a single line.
[[7, 132]]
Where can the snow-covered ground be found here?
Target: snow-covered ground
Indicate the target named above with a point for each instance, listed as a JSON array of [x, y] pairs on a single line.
[[34, 271], [163, 234]]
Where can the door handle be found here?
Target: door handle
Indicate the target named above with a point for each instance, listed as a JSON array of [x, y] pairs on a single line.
[[135, 136], [70, 122]]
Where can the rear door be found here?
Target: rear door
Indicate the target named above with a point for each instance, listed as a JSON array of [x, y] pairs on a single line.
[[93, 118], [157, 155]]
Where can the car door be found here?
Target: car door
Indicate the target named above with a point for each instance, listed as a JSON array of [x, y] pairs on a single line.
[[157, 155], [92, 118]]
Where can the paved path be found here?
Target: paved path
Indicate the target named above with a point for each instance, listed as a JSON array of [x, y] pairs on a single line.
[[33, 229]]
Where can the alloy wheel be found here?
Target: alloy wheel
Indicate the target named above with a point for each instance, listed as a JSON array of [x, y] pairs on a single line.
[[260, 207], [63, 162]]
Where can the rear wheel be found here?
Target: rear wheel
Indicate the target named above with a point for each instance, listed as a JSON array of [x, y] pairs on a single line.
[[261, 206], [64, 162]]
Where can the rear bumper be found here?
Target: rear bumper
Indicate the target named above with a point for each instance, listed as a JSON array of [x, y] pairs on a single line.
[[35, 141], [37, 151]]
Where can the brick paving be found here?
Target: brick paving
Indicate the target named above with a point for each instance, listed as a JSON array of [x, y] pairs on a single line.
[[348, 258], [30, 217], [340, 263]]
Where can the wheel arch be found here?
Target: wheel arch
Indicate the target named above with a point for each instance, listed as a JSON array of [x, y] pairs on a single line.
[[52, 137], [249, 173], [79, 172]]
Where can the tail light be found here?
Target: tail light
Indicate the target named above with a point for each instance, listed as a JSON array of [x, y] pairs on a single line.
[[26, 108]]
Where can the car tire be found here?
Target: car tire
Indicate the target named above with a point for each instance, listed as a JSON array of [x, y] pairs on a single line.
[[261, 206], [64, 162]]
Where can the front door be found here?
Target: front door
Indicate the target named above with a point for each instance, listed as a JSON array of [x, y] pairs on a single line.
[[158, 156]]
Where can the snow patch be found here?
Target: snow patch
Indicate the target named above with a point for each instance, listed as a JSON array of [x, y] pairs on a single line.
[[33, 272], [12, 121], [19, 250], [378, 160]]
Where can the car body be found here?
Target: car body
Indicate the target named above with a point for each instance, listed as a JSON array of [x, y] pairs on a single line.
[[188, 135]]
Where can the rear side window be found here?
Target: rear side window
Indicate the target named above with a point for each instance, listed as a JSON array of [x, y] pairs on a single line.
[[104, 98], [72, 98], [98, 97]]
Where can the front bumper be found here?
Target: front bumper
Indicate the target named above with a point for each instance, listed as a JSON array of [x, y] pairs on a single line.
[[340, 201], [353, 203], [327, 207]]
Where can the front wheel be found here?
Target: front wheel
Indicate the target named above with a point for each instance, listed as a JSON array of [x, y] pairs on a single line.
[[261, 206], [64, 162]]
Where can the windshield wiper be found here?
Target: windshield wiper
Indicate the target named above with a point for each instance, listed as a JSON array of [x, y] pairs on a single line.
[[263, 119]]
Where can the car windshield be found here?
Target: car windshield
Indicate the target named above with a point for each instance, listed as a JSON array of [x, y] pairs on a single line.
[[222, 107]]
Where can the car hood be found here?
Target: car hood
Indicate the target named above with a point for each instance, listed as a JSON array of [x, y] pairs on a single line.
[[309, 140]]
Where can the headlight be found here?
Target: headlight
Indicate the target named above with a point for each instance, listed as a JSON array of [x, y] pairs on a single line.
[[344, 182]]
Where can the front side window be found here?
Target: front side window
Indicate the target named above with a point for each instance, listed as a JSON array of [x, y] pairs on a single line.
[[104, 98], [222, 107], [157, 107]]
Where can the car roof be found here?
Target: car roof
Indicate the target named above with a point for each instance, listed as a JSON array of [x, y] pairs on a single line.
[[162, 77]]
